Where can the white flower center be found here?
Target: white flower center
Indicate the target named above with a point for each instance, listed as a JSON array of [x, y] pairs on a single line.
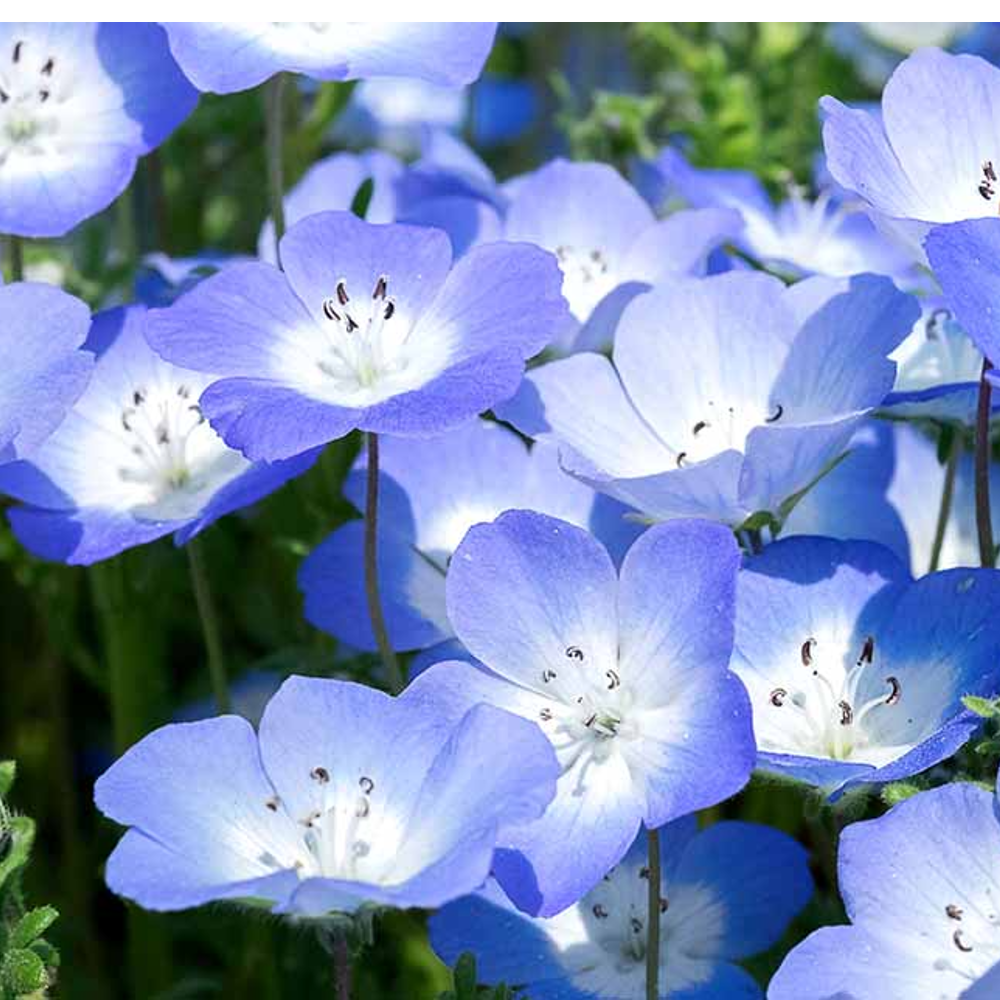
[[588, 714], [937, 352], [723, 428], [602, 940], [28, 99], [587, 278], [171, 460], [967, 938], [824, 708], [362, 344]]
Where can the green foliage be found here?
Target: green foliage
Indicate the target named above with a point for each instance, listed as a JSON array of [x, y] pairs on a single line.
[[466, 986], [27, 961]]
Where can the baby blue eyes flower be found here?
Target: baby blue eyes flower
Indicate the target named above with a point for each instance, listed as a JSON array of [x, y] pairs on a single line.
[[797, 237], [134, 458], [855, 672], [626, 675], [609, 244], [43, 371], [432, 492], [367, 327], [733, 393], [910, 183], [227, 56], [727, 892], [79, 104], [921, 886], [345, 798], [964, 259]]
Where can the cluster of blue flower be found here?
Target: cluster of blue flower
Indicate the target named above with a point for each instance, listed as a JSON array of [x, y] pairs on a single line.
[[597, 659]]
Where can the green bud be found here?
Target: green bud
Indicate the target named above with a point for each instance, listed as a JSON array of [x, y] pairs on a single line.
[[23, 972], [32, 926], [899, 791]]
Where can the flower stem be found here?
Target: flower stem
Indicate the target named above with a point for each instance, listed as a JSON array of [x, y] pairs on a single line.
[[341, 967], [209, 624], [274, 99], [653, 918], [15, 254], [396, 680], [984, 526], [947, 495]]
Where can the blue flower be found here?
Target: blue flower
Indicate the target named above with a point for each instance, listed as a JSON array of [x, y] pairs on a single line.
[[856, 673], [432, 491], [937, 369], [43, 372], [921, 886], [79, 104], [797, 237], [609, 244], [160, 279], [368, 327], [963, 256], [133, 460], [628, 677], [346, 797], [728, 892], [925, 160], [449, 188], [852, 500], [728, 395], [226, 56]]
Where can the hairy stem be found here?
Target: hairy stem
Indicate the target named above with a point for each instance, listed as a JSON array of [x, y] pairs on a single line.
[[274, 100], [653, 918], [984, 525], [947, 495], [209, 624]]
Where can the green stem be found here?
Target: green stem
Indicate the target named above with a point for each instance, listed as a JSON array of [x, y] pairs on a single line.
[[15, 254], [984, 525], [274, 94], [209, 624], [391, 663], [342, 967], [947, 495], [653, 918]]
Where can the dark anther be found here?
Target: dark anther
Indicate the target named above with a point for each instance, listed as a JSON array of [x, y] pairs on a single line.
[[953, 911], [43, 95], [126, 415], [380, 287], [549, 675], [362, 809], [778, 696], [574, 653], [196, 409], [644, 872], [986, 190], [17, 51], [4, 97], [139, 397], [183, 391], [776, 416], [599, 911], [49, 66], [895, 692], [664, 904], [846, 713], [320, 774], [162, 434], [636, 925], [613, 679], [367, 785], [959, 942], [545, 715], [680, 459], [807, 652], [272, 804], [329, 312], [589, 722], [351, 325], [867, 651], [699, 427], [934, 321], [342, 293], [988, 172], [390, 308]]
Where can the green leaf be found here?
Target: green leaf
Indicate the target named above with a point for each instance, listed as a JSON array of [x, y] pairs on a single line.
[[32, 926], [363, 197], [465, 977], [8, 770], [23, 972], [22, 831], [988, 708]]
